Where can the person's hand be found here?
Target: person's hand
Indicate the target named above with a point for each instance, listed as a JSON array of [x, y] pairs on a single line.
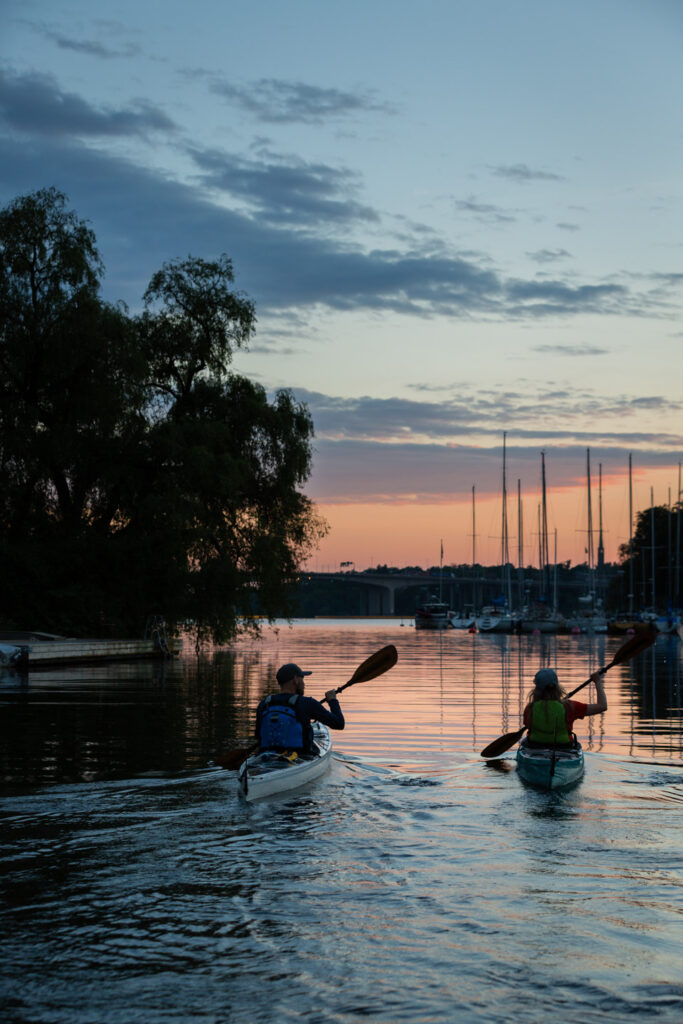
[[597, 676], [331, 695]]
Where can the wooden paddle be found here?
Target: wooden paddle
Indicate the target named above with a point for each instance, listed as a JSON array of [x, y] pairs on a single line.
[[636, 645], [378, 663]]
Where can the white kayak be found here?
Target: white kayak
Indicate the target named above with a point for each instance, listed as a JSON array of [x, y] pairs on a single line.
[[549, 769], [269, 773]]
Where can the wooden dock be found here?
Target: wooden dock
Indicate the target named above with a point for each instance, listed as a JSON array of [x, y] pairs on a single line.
[[45, 649]]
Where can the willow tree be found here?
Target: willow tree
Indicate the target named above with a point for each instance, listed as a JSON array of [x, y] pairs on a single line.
[[138, 474]]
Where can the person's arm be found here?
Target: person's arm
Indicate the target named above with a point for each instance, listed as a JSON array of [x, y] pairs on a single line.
[[333, 718], [601, 704]]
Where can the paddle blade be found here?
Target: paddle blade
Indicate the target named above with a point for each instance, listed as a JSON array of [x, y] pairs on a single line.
[[234, 758], [503, 743], [638, 643], [375, 665]]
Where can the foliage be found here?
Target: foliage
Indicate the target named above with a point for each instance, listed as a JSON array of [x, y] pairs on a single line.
[[138, 475], [655, 545]]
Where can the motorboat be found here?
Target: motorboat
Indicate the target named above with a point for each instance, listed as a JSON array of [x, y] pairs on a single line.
[[433, 614]]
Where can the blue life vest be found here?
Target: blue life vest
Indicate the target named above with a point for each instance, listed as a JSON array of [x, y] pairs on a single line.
[[280, 728]]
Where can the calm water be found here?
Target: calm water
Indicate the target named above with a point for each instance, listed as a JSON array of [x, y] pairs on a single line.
[[412, 883]]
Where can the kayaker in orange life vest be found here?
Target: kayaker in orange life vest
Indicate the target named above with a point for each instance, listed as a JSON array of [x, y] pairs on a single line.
[[283, 720], [549, 717]]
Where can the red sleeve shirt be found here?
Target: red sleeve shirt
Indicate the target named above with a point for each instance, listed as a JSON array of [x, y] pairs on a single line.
[[575, 709]]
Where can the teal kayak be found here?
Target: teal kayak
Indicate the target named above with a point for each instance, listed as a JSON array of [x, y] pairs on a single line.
[[549, 769]]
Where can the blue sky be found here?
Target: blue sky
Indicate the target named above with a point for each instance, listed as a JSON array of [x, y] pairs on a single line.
[[455, 219]]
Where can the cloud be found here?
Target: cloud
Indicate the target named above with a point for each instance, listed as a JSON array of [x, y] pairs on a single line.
[[275, 101], [563, 226], [532, 414], [548, 298], [548, 255], [369, 472], [285, 191], [268, 224], [523, 174], [572, 350], [484, 212], [33, 103], [89, 47]]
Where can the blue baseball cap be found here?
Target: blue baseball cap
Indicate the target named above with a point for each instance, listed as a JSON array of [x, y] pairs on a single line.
[[546, 677], [289, 671]]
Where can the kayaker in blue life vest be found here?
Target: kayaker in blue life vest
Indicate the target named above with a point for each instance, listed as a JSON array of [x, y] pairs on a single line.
[[549, 717], [283, 720]]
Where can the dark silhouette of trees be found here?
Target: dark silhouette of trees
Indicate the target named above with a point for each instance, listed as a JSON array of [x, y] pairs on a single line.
[[138, 474]]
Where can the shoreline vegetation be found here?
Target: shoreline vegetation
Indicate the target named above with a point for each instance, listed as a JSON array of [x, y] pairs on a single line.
[[139, 475]]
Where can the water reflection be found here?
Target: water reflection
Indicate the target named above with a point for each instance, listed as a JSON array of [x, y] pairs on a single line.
[[448, 696]]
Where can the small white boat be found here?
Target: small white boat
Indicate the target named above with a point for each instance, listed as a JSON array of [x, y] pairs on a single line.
[[270, 773], [495, 620], [549, 769], [458, 620]]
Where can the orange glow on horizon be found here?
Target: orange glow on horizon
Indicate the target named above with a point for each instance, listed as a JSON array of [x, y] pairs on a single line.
[[409, 533]]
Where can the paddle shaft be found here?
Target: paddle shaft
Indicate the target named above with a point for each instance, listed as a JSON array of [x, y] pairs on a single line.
[[637, 644], [378, 663]]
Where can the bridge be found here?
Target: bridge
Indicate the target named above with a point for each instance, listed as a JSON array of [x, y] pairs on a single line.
[[380, 589]]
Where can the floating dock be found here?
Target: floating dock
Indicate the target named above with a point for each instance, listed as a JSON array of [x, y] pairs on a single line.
[[38, 650]]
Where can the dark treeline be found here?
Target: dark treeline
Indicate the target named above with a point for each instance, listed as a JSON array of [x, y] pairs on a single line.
[[650, 564], [138, 474]]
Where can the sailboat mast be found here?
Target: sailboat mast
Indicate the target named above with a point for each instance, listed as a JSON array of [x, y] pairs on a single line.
[[601, 547], [544, 532], [589, 548], [677, 587], [475, 602], [441, 573], [520, 544], [669, 574], [474, 534], [652, 542], [505, 541], [630, 536]]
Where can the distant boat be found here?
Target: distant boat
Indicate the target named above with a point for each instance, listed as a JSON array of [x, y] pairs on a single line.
[[495, 620], [588, 618], [668, 625], [433, 614], [460, 620], [541, 620]]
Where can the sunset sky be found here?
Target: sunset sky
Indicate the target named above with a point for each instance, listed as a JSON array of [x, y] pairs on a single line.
[[456, 218]]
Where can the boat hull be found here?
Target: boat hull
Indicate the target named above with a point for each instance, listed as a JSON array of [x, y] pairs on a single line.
[[433, 615], [496, 624], [548, 769], [269, 774], [548, 625]]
